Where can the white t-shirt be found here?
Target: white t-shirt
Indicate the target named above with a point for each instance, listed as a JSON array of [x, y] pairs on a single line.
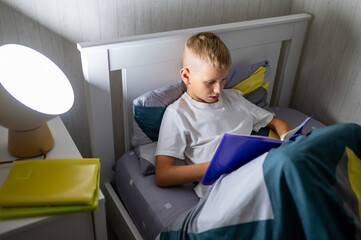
[[192, 130]]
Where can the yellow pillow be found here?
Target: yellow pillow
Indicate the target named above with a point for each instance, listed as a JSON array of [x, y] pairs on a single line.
[[273, 134], [253, 82]]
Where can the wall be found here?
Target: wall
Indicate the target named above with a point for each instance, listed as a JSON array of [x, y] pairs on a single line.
[[329, 81]]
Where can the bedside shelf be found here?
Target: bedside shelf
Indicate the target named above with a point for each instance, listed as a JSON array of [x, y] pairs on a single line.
[[85, 225]]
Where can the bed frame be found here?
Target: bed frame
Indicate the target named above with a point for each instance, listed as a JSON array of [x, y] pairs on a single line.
[[153, 60]]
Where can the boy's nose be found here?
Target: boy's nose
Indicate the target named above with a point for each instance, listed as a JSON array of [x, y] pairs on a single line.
[[217, 89]]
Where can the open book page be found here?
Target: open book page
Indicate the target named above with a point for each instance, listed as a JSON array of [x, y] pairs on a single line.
[[296, 131]]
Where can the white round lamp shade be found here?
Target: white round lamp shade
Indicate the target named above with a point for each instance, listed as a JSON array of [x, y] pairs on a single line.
[[33, 89]]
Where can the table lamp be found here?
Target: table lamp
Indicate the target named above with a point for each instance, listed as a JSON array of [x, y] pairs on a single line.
[[33, 90]]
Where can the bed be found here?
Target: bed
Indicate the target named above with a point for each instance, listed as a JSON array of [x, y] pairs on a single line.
[[136, 207]]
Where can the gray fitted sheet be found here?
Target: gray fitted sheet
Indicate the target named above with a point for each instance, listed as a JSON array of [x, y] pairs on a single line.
[[151, 207]]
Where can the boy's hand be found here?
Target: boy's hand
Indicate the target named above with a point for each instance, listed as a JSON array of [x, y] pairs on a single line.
[[280, 126]]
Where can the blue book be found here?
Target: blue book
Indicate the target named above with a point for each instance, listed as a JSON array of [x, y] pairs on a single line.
[[236, 150]]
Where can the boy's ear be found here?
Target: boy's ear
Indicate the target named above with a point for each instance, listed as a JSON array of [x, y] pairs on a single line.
[[184, 72]]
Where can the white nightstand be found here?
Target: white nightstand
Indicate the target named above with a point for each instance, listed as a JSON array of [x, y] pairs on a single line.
[[85, 225]]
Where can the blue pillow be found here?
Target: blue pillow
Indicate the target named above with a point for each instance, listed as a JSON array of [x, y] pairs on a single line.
[[149, 120]]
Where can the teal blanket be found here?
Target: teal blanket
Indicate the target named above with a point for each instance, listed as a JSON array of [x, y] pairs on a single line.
[[309, 188]]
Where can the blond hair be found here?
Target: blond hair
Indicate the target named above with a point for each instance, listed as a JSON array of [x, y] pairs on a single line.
[[208, 48]]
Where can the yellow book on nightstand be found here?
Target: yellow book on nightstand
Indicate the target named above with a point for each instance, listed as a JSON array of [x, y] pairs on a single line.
[[50, 186]]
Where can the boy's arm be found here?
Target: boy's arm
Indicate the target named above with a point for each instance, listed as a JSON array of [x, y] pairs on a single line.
[[167, 174], [280, 126]]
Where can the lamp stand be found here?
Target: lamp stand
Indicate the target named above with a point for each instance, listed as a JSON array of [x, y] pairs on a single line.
[[30, 143]]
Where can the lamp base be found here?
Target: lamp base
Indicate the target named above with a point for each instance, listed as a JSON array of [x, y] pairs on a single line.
[[30, 143]]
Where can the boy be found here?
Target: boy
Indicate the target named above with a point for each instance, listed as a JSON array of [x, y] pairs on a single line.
[[193, 126]]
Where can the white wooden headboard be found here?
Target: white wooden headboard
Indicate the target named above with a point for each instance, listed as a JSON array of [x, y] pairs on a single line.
[[153, 60]]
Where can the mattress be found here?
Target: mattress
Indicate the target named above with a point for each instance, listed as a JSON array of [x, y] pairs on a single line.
[[151, 207]]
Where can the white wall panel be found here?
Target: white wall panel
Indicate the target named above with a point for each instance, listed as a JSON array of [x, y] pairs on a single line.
[[329, 79]]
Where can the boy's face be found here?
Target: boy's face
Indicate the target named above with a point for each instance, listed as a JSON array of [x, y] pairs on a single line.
[[205, 83]]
